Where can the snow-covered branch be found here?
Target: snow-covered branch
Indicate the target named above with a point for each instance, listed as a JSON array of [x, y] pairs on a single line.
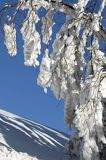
[[76, 68]]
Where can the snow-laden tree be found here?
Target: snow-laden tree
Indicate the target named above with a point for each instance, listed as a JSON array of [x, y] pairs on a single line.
[[75, 70]]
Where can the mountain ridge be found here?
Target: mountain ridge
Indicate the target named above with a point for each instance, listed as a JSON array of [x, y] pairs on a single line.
[[24, 138]]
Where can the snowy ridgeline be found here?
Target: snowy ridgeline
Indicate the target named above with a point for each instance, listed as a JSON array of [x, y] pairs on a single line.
[[22, 139]]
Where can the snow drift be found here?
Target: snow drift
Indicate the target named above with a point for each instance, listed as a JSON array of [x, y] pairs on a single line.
[[22, 139]]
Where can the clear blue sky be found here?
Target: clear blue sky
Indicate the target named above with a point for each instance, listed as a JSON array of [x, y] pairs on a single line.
[[20, 94]]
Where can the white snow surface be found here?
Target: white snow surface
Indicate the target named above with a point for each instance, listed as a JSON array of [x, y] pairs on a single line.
[[22, 139]]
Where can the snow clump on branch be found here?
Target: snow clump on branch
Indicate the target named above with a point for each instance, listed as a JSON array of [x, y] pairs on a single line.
[[10, 39]]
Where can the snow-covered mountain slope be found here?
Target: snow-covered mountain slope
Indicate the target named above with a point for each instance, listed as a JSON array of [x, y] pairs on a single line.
[[22, 139]]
